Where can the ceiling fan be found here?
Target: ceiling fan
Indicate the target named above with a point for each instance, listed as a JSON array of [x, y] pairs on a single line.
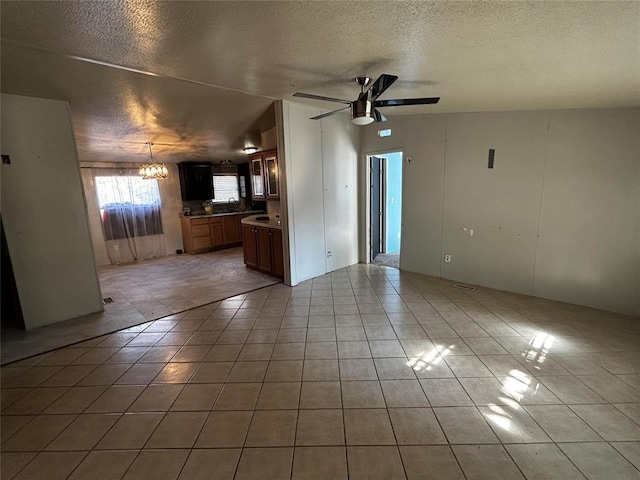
[[364, 109]]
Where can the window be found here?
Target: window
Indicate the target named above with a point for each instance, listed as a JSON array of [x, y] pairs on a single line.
[[126, 189], [225, 187], [129, 206]]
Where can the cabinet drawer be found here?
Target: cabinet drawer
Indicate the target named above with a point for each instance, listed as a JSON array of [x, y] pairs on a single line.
[[200, 230], [202, 242], [199, 221], [215, 219]]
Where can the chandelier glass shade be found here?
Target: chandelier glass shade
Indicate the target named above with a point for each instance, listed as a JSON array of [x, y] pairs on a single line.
[[153, 170]]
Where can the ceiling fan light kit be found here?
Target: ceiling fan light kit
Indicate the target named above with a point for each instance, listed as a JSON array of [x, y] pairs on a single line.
[[361, 113], [364, 110]]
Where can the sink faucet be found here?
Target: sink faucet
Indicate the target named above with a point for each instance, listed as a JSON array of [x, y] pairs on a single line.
[[231, 203]]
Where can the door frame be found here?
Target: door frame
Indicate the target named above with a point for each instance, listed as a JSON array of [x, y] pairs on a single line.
[[382, 204], [366, 234]]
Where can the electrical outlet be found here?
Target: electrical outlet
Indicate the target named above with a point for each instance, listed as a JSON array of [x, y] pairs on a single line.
[[329, 253], [447, 259]]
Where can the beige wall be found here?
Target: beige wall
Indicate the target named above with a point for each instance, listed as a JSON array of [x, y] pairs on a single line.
[[44, 213], [558, 216], [171, 207]]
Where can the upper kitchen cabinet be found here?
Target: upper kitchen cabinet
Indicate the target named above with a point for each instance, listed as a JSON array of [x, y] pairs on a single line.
[[270, 163], [257, 178], [264, 176], [196, 181]]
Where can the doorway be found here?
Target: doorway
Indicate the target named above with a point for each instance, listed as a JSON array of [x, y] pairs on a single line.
[[385, 212]]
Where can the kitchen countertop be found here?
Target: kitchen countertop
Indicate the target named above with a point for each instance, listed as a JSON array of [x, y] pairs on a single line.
[[224, 214], [271, 223]]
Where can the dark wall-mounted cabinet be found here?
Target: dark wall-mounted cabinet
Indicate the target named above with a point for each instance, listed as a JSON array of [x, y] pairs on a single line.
[[196, 181]]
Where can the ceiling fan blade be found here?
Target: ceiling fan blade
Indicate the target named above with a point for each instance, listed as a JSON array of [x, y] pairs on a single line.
[[383, 82], [318, 117], [378, 116], [406, 101], [319, 97]]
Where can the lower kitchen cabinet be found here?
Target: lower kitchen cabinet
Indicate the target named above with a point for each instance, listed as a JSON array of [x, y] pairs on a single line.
[[231, 229], [196, 236], [277, 253], [203, 234], [217, 232], [263, 249], [250, 246]]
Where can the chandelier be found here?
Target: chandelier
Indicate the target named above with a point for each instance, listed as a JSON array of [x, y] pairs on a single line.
[[153, 170]]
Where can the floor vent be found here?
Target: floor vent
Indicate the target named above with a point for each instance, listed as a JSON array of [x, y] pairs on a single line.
[[464, 287], [107, 300]]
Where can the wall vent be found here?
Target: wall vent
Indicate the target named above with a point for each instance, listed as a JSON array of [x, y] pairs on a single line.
[[468, 288]]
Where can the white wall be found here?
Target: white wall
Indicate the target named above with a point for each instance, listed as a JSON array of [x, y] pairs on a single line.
[[170, 198], [44, 213], [319, 162], [340, 196], [589, 246], [558, 216]]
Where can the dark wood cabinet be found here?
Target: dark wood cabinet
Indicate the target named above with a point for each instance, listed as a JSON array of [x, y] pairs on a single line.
[[196, 181], [231, 229], [263, 249], [272, 184], [257, 179], [250, 244], [277, 254], [265, 178]]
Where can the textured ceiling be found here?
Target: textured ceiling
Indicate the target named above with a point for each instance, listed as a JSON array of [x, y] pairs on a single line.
[[200, 76]]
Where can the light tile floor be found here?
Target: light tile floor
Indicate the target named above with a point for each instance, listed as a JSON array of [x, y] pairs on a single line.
[[144, 291], [366, 373]]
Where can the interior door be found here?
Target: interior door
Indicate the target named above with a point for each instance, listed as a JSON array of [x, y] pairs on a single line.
[[377, 206]]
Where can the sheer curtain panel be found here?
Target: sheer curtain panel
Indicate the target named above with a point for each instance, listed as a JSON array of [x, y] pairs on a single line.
[[130, 213]]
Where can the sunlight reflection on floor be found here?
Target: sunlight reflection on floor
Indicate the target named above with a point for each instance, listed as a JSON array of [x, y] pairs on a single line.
[[425, 361]]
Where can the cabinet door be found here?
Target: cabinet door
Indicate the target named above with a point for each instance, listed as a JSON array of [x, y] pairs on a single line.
[[250, 249], [196, 181], [217, 239], [264, 249], [277, 256], [240, 228], [271, 175], [257, 179], [230, 230]]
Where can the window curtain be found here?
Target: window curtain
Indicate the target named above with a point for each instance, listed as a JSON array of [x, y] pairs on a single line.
[[130, 214]]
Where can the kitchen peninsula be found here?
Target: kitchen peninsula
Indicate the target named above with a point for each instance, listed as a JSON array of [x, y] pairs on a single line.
[[262, 244]]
